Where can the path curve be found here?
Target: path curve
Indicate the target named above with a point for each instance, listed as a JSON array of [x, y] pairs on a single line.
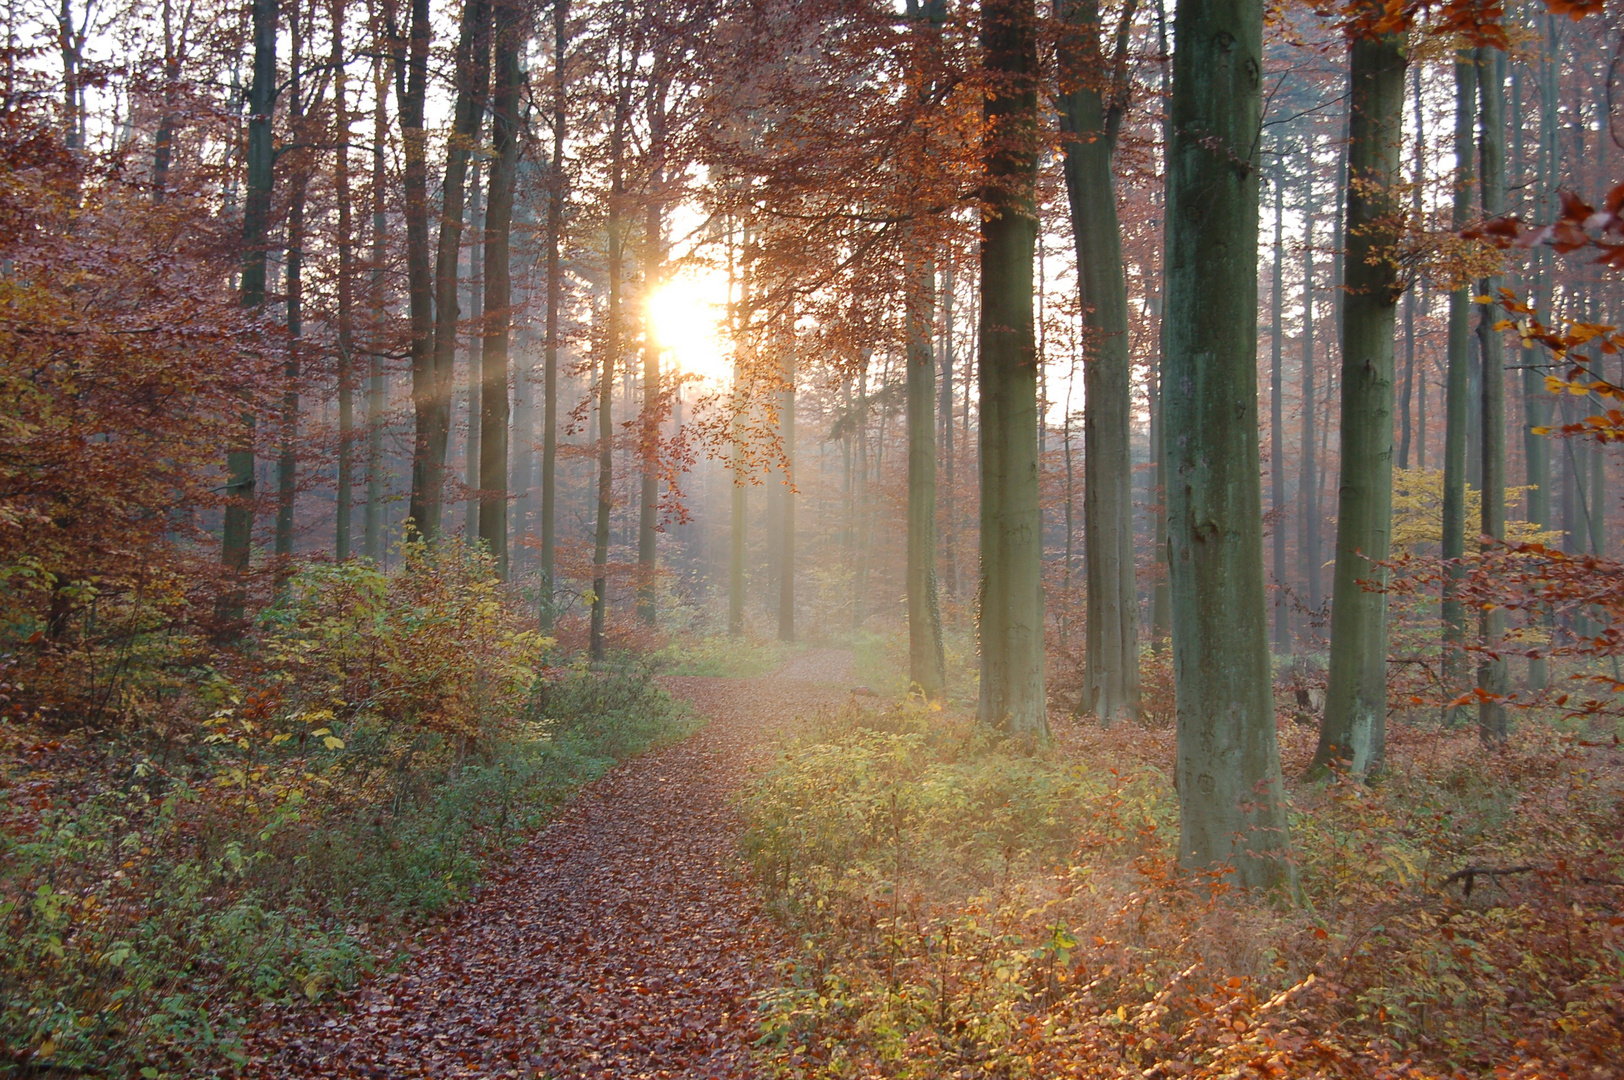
[[623, 941]]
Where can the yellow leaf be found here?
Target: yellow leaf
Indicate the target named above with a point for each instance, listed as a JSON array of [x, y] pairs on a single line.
[[332, 742]]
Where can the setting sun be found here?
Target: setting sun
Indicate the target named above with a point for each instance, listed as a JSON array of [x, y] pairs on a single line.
[[688, 312]]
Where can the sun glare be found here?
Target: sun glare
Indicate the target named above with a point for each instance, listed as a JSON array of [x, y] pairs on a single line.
[[688, 312]]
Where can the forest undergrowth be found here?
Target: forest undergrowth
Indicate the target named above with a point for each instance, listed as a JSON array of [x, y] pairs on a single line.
[[968, 909], [263, 823]]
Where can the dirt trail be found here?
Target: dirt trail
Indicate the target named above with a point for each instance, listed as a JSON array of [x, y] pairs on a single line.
[[623, 941]]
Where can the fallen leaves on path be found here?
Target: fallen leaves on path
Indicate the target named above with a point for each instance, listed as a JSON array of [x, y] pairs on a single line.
[[624, 941]]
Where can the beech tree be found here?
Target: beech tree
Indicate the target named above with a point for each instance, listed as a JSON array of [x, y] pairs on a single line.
[[1228, 769], [1011, 626], [1093, 92], [1354, 728]]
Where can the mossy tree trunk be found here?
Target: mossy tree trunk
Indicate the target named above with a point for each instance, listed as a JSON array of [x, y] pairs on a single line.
[[1354, 727], [1091, 103], [1231, 809], [1011, 626]]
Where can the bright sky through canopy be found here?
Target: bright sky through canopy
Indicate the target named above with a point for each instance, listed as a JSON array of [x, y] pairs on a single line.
[[689, 312]]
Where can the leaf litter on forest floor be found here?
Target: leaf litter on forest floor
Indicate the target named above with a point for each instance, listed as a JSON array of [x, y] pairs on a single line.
[[624, 941]]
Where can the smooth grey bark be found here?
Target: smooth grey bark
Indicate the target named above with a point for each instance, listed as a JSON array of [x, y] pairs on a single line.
[[1354, 726], [1456, 393], [1091, 103], [473, 64], [1231, 805], [372, 514], [1277, 421], [287, 461], [508, 39], [1493, 677], [476, 319], [927, 667], [1161, 596], [786, 537], [616, 243], [1011, 625], [428, 429], [345, 287], [648, 517], [557, 181], [163, 143], [1308, 498], [944, 404], [1537, 402], [238, 532]]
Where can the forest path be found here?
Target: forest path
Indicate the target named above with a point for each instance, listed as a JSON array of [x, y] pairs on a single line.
[[623, 941]]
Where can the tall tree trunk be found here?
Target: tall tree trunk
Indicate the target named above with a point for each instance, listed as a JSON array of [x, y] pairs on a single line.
[[606, 376], [1012, 694], [163, 145], [738, 522], [1231, 808], [473, 62], [1090, 112], [1308, 501], [345, 494], [944, 406], [287, 461], [557, 180], [1493, 678], [1456, 393], [493, 359], [238, 533], [648, 518], [927, 667], [1354, 726], [1407, 396], [1161, 596], [1536, 401], [429, 428], [372, 525], [476, 345], [786, 540], [1277, 421]]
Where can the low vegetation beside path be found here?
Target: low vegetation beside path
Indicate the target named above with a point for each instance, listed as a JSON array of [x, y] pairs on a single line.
[[967, 909], [266, 832]]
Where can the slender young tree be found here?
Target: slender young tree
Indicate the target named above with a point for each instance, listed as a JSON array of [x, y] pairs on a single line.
[[475, 376], [1011, 627], [428, 451], [1231, 808], [238, 533], [1456, 392], [1354, 726], [648, 509], [372, 518], [1493, 678], [1277, 419], [287, 463], [1093, 93], [786, 540], [1308, 498], [345, 287], [473, 74], [557, 188], [927, 667], [616, 243], [508, 38]]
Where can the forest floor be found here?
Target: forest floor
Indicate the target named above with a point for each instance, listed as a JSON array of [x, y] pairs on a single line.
[[624, 941]]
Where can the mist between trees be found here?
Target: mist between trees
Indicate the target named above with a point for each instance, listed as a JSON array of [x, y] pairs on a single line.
[[1146, 365]]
